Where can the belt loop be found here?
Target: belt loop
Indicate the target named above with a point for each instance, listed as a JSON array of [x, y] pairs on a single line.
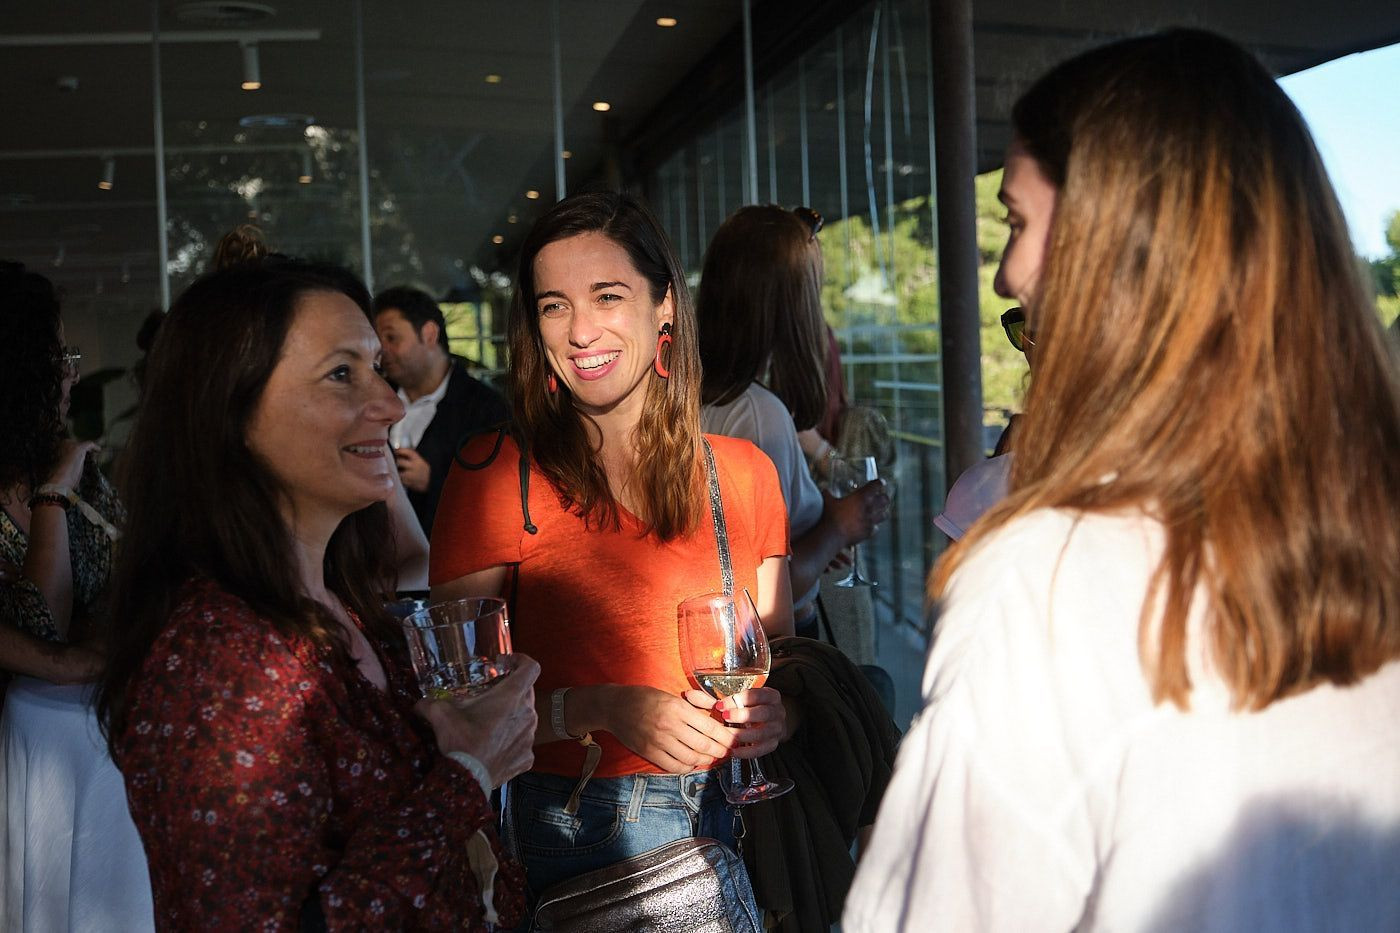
[[592, 753], [639, 796]]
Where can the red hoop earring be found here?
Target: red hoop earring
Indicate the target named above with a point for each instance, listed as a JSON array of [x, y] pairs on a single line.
[[663, 340], [552, 383]]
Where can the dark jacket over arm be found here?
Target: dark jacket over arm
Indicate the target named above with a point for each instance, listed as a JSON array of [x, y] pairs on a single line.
[[841, 760]]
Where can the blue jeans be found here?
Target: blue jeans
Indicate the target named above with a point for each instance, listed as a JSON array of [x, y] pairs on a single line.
[[618, 818]]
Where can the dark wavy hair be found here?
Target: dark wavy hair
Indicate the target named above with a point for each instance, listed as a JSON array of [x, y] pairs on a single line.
[[561, 440], [202, 503], [31, 377]]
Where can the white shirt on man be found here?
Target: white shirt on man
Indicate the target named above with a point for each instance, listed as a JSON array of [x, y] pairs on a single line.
[[1042, 789], [418, 414]]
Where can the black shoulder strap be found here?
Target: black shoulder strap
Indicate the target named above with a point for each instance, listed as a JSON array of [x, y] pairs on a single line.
[[525, 492], [501, 431]]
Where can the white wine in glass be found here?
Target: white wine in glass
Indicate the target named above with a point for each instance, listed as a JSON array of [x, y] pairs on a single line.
[[849, 474], [725, 650]]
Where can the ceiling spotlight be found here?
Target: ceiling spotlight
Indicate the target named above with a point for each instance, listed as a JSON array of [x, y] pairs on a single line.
[[512, 219], [498, 239], [665, 22], [109, 173], [566, 154], [252, 74], [532, 195], [493, 79], [305, 176], [602, 106]]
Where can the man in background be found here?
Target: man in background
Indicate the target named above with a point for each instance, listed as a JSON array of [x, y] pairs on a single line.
[[444, 405]]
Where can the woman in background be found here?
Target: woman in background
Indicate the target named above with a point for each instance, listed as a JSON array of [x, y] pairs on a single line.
[[762, 342], [58, 515], [1165, 681]]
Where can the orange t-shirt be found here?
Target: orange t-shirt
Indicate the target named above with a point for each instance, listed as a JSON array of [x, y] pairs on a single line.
[[594, 605]]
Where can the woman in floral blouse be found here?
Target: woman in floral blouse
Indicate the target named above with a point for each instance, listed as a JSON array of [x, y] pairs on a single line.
[[58, 516], [258, 703]]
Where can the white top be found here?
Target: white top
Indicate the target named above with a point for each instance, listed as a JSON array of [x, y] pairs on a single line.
[[1040, 788], [980, 487], [408, 431], [759, 416]]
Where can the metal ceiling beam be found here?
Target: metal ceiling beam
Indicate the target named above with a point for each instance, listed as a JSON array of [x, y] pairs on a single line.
[[64, 39]]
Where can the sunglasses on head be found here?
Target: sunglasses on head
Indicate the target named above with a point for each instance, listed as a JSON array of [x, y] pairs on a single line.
[[811, 218], [1014, 323]]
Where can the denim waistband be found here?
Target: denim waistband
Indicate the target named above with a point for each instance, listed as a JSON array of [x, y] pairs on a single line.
[[634, 791]]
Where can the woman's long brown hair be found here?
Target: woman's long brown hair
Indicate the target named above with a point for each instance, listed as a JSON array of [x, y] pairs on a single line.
[[1206, 353], [667, 477], [760, 312]]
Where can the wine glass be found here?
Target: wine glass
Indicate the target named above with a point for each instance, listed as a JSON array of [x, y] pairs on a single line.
[[459, 648], [725, 650], [849, 474]]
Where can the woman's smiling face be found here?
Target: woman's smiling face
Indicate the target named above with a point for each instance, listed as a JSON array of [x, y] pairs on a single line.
[[322, 423], [598, 323]]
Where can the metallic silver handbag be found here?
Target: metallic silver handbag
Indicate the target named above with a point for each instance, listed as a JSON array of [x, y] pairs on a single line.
[[685, 886]]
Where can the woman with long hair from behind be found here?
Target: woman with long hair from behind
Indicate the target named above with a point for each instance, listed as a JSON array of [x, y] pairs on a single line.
[[259, 702], [1164, 684], [762, 345]]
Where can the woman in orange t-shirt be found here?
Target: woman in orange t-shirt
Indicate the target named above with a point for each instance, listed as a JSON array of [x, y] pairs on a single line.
[[605, 387]]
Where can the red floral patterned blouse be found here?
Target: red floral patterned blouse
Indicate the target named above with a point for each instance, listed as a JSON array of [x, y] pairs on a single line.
[[259, 772]]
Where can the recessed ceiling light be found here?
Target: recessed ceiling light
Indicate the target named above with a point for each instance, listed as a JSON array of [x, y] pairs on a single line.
[[602, 106], [498, 239], [511, 219], [493, 79], [532, 194], [252, 72], [566, 154], [665, 22]]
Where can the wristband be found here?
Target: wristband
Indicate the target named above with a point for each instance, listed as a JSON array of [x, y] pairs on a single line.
[[477, 769], [556, 716]]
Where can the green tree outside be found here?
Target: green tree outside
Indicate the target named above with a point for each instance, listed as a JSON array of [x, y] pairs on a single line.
[[1386, 274]]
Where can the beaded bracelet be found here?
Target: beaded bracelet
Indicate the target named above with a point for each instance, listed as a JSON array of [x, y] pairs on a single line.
[[49, 498]]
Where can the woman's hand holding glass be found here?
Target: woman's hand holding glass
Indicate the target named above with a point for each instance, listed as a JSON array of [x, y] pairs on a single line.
[[759, 710], [677, 734], [497, 727], [859, 514], [853, 477]]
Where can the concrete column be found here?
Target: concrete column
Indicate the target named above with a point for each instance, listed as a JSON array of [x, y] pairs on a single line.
[[955, 159]]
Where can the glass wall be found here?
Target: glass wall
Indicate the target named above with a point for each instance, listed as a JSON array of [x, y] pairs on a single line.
[[846, 130]]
